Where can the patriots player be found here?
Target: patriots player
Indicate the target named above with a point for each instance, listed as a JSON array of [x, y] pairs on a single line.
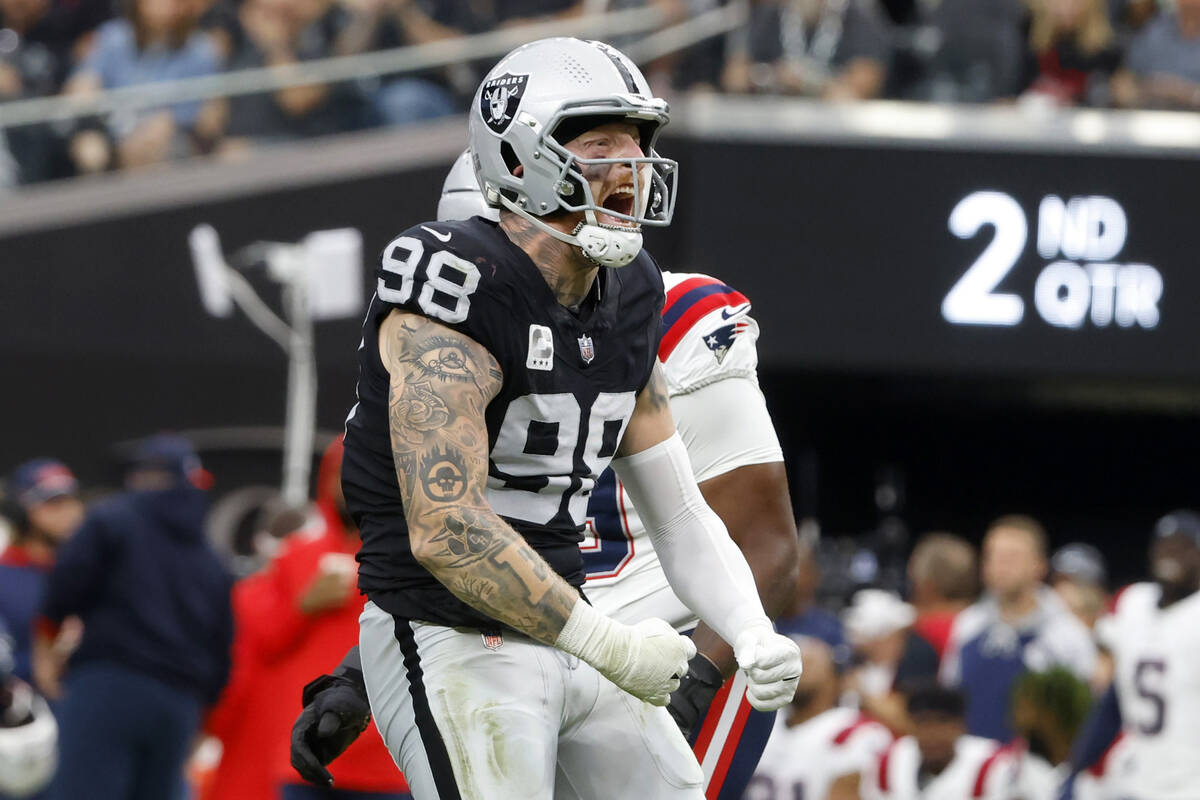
[[1154, 637], [742, 477], [502, 368], [940, 761]]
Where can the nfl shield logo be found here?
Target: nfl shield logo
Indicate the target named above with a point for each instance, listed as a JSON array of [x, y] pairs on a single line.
[[499, 99], [492, 640], [586, 349]]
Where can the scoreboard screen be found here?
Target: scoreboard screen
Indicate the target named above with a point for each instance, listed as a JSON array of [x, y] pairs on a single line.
[[904, 258]]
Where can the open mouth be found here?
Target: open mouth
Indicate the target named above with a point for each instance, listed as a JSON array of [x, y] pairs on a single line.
[[620, 201]]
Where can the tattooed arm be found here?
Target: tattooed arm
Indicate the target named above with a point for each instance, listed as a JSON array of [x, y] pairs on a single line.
[[440, 384]]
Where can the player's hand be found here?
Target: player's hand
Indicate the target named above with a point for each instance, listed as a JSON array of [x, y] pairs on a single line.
[[772, 666], [689, 703], [656, 659], [647, 659], [335, 712]]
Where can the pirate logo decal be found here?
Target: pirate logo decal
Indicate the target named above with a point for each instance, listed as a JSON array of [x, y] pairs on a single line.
[[499, 100]]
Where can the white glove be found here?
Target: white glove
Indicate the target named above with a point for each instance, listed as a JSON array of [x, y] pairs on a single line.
[[647, 660], [772, 665]]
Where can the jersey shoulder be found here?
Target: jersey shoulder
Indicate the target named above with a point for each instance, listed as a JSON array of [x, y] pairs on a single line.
[[708, 333], [463, 274]]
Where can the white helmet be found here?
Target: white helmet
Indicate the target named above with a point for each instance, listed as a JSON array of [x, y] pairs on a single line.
[[28, 741], [522, 106], [461, 198]]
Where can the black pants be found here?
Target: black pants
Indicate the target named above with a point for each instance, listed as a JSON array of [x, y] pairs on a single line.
[[122, 736]]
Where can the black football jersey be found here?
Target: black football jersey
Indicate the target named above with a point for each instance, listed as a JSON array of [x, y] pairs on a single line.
[[570, 383]]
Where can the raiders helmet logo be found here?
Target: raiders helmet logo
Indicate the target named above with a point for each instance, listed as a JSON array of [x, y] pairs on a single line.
[[499, 100]]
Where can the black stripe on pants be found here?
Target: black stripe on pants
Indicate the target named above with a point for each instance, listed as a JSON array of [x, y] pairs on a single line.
[[431, 737]]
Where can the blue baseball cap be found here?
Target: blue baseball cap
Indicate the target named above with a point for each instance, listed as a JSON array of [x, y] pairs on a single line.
[[40, 480], [1182, 522], [173, 454], [1080, 561]]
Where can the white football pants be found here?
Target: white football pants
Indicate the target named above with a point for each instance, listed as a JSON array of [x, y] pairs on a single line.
[[506, 718]]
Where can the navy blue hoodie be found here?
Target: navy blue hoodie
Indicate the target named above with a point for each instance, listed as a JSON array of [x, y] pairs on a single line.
[[153, 595]]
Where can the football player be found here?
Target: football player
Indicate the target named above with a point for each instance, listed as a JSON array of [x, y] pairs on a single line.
[[502, 368], [1154, 637], [710, 365], [940, 761]]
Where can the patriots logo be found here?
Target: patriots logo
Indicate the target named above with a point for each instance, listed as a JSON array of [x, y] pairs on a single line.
[[721, 339]]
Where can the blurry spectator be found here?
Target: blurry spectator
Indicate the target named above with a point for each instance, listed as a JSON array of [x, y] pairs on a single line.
[[888, 656], [154, 600], [303, 615], [805, 618], [1078, 574], [384, 24], [28, 732], [940, 760], [39, 42], [1072, 52], [1048, 709], [943, 580], [158, 41], [41, 39], [1019, 624], [1162, 68], [42, 502], [981, 53], [817, 749], [280, 32], [835, 49], [482, 16], [241, 720]]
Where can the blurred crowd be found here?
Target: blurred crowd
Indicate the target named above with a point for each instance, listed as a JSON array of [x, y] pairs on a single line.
[[131, 656], [1107, 53], [974, 679]]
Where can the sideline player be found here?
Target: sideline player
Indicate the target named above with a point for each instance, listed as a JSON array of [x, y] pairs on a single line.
[[940, 760], [819, 750], [710, 365], [477, 365], [1154, 636]]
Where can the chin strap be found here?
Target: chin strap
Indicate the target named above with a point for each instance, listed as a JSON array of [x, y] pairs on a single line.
[[608, 246]]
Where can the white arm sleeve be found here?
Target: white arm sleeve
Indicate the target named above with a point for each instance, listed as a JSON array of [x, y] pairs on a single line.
[[703, 565], [714, 446]]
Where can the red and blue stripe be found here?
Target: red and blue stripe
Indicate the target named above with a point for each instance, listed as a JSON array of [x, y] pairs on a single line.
[[687, 303]]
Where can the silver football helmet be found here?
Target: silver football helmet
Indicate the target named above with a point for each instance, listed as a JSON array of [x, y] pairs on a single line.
[[531, 104], [461, 198]]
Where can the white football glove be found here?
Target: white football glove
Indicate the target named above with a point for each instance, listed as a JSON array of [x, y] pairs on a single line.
[[772, 666], [647, 659]]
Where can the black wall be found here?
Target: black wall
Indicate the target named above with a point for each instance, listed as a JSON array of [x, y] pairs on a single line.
[[847, 256]]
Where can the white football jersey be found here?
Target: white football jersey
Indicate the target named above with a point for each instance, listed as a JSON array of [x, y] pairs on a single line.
[[805, 760], [1157, 655], [982, 769], [710, 363], [1105, 780]]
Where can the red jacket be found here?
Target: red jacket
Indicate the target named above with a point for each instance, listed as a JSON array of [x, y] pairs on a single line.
[[284, 649], [247, 713]]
